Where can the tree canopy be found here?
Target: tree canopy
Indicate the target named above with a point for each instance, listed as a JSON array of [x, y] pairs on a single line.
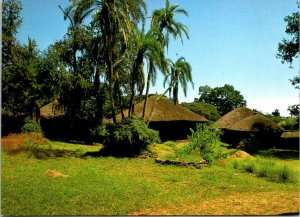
[[225, 98]]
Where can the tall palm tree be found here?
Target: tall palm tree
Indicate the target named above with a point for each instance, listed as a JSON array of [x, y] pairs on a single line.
[[181, 73], [149, 49], [116, 18], [163, 19]]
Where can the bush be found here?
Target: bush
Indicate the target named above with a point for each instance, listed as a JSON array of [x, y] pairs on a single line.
[[131, 135], [290, 123], [206, 140], [15, 143], [99, 133], [267, 169], [249, 144], [209, 111], [30, 126]]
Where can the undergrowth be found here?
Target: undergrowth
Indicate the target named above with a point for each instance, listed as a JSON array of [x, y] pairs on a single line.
[[268, 169]]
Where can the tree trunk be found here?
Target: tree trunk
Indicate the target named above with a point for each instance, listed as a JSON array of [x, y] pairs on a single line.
[[111, 94], [147, 92]]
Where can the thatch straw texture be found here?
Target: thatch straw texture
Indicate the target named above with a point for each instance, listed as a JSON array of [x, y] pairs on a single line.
[[290, 134], [233, 117], [53, 109], [164, 110], [254, 123]]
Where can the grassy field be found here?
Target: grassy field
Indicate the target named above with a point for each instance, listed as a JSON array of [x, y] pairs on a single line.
[[69, 184]]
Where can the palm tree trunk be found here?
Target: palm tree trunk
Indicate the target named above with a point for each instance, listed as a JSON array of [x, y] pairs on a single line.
[[111, 88], [119, 95], [147, 92]]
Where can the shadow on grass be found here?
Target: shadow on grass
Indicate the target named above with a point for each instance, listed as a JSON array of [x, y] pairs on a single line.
[[48, 153], [280, 153], [119, 153]]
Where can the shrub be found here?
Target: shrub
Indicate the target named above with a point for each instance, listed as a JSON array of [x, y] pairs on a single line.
[[30, 126], [249, 144], [99, 133], [132, 134], [206, 140], [267, 169], [290, 123], [15, 143], [209, 111]]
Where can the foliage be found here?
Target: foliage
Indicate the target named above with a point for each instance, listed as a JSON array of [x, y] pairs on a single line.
[[225, 98], [132, 134], [205, 139], [181, 72], [290, 123], [249, 144], [209, 111], [294, 110], [15, 143], [288, 49], [163, 20], [30, 126], [268, 169]]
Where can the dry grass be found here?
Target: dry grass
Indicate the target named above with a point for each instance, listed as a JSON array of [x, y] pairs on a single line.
[[260, 203], [241, 155], [55, 174]]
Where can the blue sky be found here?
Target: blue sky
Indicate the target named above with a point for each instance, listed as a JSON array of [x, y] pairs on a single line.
[[231, 42]]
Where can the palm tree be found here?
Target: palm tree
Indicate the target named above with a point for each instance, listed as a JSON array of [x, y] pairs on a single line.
[[163, 19], [181, 72], [146, 48], [116, 18]]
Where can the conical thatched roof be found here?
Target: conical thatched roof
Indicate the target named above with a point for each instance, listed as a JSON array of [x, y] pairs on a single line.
[[233, 117], [164, 110], [244, 119], [52, 109], [256, 122]]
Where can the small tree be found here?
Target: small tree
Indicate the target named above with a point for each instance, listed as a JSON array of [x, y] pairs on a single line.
[[206, 139]]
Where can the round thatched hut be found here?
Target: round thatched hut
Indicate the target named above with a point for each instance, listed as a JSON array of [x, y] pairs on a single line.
[[242, 123], [172, 121], [290, 140]]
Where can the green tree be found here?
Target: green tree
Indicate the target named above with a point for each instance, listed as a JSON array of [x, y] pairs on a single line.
[[209, 111], [181, 73], [146, 48], [163, 19], [276, 113], [11, 21], [225, 98], [288, 51], [115, 19]]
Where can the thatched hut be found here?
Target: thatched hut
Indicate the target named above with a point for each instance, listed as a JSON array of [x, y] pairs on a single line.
[[57, 125], [242, 123], [52, 109], [233, 117], [172, 121], [290, 140]]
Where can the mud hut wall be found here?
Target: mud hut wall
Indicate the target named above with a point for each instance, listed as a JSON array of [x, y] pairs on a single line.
[[62, 128], [173, 130], [265, 139]]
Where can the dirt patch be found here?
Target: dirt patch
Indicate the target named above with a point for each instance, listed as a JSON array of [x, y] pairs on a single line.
[[260, 203], [241, 154], [55, 174]]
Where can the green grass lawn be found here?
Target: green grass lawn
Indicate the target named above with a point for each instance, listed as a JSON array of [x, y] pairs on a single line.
[[133, 186]]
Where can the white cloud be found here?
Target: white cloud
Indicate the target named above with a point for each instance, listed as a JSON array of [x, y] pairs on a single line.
[[270, 104]]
